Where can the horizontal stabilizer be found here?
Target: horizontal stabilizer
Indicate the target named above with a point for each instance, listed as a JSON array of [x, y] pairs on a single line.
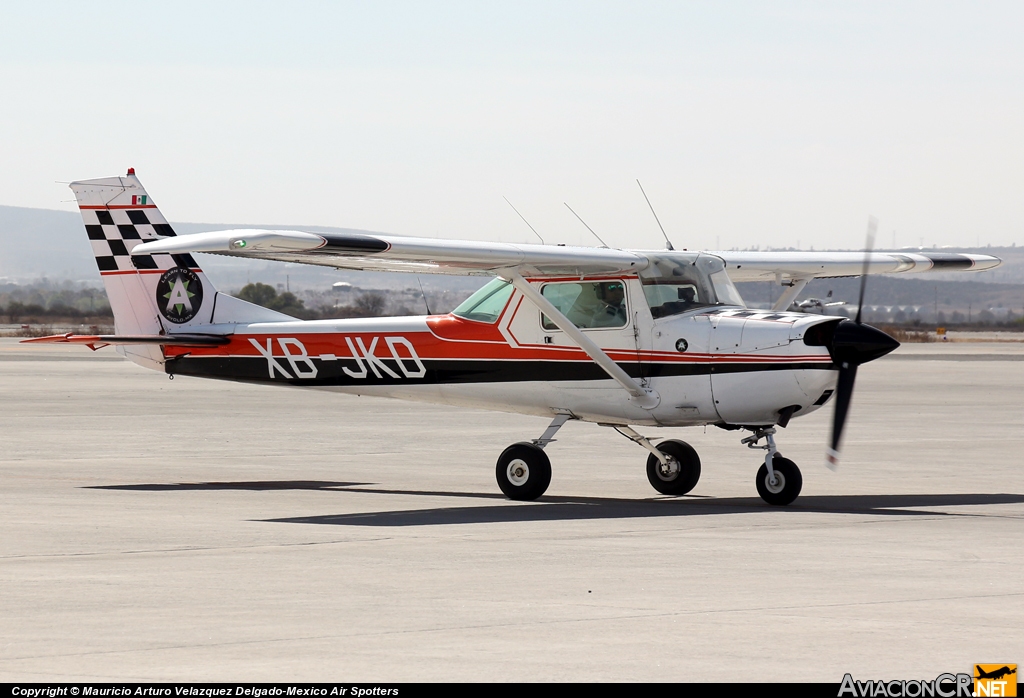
[[98, 341]]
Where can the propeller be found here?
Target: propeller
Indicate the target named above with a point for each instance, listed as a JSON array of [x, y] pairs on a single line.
[[854, 343]]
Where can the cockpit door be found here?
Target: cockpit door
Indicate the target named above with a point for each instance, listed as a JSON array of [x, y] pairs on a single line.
[[680, 288]]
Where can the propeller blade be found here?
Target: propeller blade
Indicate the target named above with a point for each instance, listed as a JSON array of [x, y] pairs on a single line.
[[852, 345], [869, 244], [844, 393]]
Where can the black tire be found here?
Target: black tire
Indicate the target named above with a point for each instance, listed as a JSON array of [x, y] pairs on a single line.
[[789, 488], [684, 478], [523, 472]]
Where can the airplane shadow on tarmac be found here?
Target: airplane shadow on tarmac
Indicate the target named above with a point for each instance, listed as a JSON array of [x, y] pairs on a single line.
[[253, 486], [580, 508]]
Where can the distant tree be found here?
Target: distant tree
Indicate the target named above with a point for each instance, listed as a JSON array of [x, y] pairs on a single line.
[[62, 310], [267, 296], [260, 294], [371, 304], [289, 304]]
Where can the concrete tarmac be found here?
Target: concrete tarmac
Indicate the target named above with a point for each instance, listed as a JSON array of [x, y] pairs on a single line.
[[187, 530]]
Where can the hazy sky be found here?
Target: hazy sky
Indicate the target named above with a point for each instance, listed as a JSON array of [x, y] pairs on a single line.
[[748, 123]]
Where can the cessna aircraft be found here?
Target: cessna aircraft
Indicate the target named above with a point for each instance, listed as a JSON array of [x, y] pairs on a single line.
[[620, 338], [809, 305]]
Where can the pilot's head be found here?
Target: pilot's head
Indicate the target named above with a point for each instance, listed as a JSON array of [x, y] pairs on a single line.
[[611, 292], [686, 294]]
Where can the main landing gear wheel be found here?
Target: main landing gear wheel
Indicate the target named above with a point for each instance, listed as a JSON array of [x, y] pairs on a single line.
[[680, 474], [786, 487], [523, 472]]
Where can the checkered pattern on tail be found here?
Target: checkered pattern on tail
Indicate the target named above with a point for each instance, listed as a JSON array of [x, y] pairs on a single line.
[[119, 215], [113, 233]]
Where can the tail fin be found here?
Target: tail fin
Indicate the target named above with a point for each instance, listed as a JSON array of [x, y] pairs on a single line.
[[150, 294]]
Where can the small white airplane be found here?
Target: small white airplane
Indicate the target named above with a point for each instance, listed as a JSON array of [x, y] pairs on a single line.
[[620, 338], [808, 305]]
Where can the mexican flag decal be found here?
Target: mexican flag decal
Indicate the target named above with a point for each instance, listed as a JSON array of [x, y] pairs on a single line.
[[139, 200]]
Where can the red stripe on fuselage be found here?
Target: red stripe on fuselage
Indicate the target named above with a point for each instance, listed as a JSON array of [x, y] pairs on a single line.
[[430, 346], [456, 329]]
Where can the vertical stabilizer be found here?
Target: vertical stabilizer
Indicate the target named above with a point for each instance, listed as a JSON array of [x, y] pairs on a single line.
[[148, 294]]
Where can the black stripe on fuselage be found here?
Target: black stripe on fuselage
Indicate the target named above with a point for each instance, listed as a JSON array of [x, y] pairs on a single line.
[[452, 371]]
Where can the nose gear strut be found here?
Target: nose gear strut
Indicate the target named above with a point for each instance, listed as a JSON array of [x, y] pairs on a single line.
[[768, 434], [779, 480]]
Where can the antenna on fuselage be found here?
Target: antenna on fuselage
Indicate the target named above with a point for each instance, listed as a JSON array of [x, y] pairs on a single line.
[[525, 221], [423, 294], [586, 226], [668, 243]]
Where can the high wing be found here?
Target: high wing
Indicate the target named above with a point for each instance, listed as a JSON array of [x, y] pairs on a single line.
[[407, 254], [771, 266], [463, 257]]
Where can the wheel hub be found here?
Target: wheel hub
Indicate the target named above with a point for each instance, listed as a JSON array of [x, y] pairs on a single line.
[[518, 472], [777, 485], [669, 470]]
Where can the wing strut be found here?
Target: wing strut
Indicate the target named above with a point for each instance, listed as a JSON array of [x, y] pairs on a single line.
[[790, 294], [643, 397]]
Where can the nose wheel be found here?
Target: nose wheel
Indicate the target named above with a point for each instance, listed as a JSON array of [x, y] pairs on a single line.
[[778, 479], [784, 487]]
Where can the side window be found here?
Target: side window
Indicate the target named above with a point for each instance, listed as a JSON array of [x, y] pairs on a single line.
[[588, 304], [672, 297]]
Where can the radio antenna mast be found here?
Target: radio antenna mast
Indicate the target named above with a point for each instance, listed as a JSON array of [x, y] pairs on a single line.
[[423, 294], [525, 221], [668, 243], [586, 226]]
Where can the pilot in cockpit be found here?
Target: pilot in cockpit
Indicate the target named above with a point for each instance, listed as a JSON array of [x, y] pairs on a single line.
[[611, 311]]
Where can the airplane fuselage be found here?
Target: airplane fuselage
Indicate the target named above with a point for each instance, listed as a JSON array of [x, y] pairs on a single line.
[[710, 365]]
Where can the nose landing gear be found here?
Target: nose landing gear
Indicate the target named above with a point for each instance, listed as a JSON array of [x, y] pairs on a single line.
[[778, 481]]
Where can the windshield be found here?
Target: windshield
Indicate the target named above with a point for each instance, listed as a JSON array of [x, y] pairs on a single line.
[[681, 282], [486, 304]]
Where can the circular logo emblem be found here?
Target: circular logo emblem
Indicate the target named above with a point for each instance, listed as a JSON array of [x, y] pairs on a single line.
[[681, 344], [179, 295]]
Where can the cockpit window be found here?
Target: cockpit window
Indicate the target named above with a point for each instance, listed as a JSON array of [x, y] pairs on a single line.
[[682, 282], [486, 304], [588, 304]]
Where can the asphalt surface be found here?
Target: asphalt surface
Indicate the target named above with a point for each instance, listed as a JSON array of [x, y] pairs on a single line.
[[200, 530]]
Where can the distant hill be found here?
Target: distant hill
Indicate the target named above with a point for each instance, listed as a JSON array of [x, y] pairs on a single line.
[[37, 243]]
